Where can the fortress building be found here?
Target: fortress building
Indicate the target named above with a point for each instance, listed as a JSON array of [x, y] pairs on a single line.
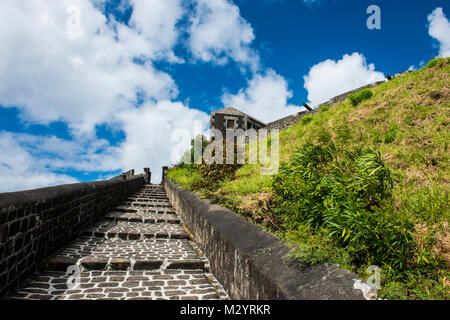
[[233, 119]]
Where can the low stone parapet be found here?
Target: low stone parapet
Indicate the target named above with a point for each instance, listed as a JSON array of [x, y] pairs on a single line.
[[36, 223], [251, 263]]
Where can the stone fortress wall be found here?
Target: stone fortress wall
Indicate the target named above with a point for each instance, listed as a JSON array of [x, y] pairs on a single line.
[[36, 223]]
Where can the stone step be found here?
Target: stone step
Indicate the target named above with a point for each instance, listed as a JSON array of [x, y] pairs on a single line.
[[143, 217], [95, 253], [142, 205], [89, 263], [129, 207], [154, 192], [119, 285], [136, 231], [150, 201], [139, 251], [143, 210], [150, 196], [140, 200]]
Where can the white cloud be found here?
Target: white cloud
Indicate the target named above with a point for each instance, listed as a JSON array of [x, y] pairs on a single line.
[[82, 78], [439, 28], [149, 133], [87, 78], [156, 20], [265, 98], [19, 169], [96, 155], [330, 78], [54, 153], [219, 33], [90, 77]]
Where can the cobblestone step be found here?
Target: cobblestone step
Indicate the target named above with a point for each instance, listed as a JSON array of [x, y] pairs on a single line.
[[143, 217], [147, 204], [150, 196], [121, 285], [140, 250], [100, 253], [128, 207], [136, 231], [141, 210], [153, 199]]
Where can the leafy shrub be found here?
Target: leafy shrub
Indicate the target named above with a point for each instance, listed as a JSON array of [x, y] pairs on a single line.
[[438, 62], [324, 108], [343, 132], [324, 136], [349, 194], [306, 119], [189, 157], [358, 97], [197, 174], [314, 247], [433, 62], [391, 134], [377, 137], [212, 174]]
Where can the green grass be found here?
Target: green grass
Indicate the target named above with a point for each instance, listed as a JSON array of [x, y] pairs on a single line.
[[358, 97], [406, 120]]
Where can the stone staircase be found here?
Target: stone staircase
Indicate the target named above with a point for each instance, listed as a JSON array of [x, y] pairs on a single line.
[[139, 251]]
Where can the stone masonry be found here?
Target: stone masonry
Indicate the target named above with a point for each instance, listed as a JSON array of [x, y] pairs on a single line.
[[140, 251]]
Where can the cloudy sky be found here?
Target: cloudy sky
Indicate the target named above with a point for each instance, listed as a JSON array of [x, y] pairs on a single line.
[[90, 88]]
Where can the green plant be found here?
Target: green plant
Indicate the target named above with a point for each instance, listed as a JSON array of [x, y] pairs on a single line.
[[433, 62], [347, 192], [418, 156], [391, 134], [190, 156], [314, 246], [358, 97], [324, 136], [429, 205], [324, 108], [377, 137], [213, 174], [306, 119]]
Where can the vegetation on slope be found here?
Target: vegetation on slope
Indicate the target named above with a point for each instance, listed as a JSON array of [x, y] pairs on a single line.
[[363, 182]]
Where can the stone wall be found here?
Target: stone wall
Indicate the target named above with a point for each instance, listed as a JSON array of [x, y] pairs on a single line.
[[36, 223], [288, 121], [344, 96], [251, 263]]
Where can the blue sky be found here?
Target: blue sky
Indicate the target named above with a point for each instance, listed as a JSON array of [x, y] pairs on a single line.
[[119, 86]]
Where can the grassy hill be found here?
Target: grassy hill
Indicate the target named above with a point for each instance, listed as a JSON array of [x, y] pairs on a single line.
[[362, 182]]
